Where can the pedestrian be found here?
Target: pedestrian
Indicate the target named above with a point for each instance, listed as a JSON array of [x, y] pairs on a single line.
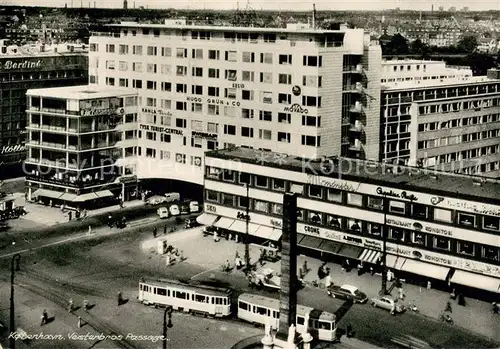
[[360, 268], [448, 307], [70, 215], [429, 285], [401, 294], [372, 271], [70, 306], [496, 308], [328, 280], [85, 305], [216, 237], [79, 321], [84, 212], [90, 230], [165, 230], [155, 231], [44, 317], [120, 299]]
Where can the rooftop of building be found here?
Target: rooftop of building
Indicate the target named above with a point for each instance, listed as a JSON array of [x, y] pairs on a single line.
[[37, 50], [81, 92], [419, 84], [403, 177], [397, 61]]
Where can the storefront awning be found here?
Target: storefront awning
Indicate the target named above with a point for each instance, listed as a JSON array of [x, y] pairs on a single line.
[[206, 219], [394, 262], [330, 246], [68, 197], [104, 193], [426, 269], [275, 234], [310, 242], [370, 256], [241, 227], [479, 281], [350, 251], [268, 233], [224, 223], [85, 197], [47, 193]]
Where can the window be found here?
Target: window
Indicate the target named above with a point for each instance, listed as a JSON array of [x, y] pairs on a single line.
[[150, 153], [230, 130], [419, 211], [248, 57], [181, 295], [315, 191], [266, 58], [137, 50], [284, 118], [151, 136], [277, 209], [123, 49], [247, 113], [311, 101], [418, 238], [468, 220], [123, 82], [180, 158], [441, 243], [285, 79], [181, 52], [491, 223], [247, 95], [266, 77], [242, 305], [261, 206], [137, 67], [491, 253], [300, 215], [312, 61], [308, 120], [247, 75], [231, 56], [265, 115], [397, 206], [312, 141], [166, 86], [285, 59], [151, 85], [166, 138], [442, 215], [374, 229], [151, 68], [197, 71], [181, 105], [110, 48], [213, 172], [181, 88], [261, 181], [213, 109], [228, 199], [166, 103], [151, 102], [334, 195], [284, 98], [278, 184], [110, 81], [375, 203], [230, 93], [212, 127], [312, 80], [230, 74], [166, 51], [164, 155], [214, 54], [152, 50], [354, 199], [247, 132], [354, 225], [181, 70], [265, 134], [315, 217], [200, 298], [466, 247], [333, 221], [197, 53], [110, 65], [213, 73], [396, 234]]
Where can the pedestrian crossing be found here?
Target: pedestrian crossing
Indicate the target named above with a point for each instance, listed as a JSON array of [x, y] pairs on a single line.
[[410, 342]]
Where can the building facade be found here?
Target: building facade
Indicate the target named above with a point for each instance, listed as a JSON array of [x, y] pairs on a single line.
[[23, 68], [441, 118], [440, 226], [73, 145], [295, 90]]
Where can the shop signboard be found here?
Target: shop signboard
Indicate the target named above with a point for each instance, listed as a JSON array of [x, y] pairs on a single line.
[[21, 64], [160, 129], [9, 149], [157, 111], [216, 101]]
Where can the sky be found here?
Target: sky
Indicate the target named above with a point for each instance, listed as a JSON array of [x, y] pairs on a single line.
[[299, 5]]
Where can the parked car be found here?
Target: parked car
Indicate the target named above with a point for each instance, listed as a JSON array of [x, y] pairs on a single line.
[[156, 200], [4, 226], [163, 212], [388, 303], [174, 210], [194, 206], [347, 292], [172, 197], [184, 208]]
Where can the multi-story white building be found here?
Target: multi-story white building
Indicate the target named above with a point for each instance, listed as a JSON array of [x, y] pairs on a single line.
[[76, 135], [295, 90], [440, 117]]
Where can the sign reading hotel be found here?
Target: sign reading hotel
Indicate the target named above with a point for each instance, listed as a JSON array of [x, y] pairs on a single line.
[[156, 111], [217, 101], [26, 64], [160, 129]]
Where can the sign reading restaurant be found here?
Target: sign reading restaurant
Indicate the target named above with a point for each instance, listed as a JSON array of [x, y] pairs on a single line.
[[160, 129], [225, 102], [26, 64]]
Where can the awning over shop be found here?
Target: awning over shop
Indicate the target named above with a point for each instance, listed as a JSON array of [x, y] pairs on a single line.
[[394, 262], [370, 256], [350, 251], [479, 281], [268, 233], [206, 219], [241, 227], [47, 193], [275, 234], [85, 197], [224, 223], [104, 193], [330, 246], [68, 197], [310, 242], [426, 269]]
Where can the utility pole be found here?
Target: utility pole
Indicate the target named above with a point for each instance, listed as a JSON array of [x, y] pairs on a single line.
[[166, 326], [247, 221], [383, 290], [14, 261]]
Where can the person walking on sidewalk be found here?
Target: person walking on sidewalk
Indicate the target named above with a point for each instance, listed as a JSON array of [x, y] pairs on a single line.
[[448, 307], [70, 306], [155, 231], [120, 299], [44, 317], [85, 305], [165, 230]]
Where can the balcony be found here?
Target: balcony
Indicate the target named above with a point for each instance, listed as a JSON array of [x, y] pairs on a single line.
[[356, 127], [345, 140], [356, 146], [353, 69], [346, 121], [70, 183], [50, 110], [356, 108], [353, 88]]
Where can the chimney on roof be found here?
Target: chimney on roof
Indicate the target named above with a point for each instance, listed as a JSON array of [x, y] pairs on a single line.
[[314, 17]]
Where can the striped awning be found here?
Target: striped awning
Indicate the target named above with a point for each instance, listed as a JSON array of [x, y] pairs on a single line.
[[370, 256]]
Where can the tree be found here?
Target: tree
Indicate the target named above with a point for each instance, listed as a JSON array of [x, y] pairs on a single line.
[[397, 46], [419, 48], [467, 44]]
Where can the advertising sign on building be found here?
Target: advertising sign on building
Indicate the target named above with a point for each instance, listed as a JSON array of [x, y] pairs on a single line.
[[160, 129], [217, 101], [9, 149], [23, 64]]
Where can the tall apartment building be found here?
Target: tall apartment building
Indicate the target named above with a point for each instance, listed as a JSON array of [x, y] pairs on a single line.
[[73, 145], [440, 117], [23, 68], [295, 90]]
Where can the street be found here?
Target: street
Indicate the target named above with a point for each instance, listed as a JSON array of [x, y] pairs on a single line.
[[97, 268]]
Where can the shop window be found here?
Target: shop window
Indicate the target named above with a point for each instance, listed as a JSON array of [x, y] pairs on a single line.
[[442, 215], [354, 225], [491, 253], [300, 215], [278, 184], [227, 199], [375, 203], [418, 238], [466, 247], [315, 191], [441, 243], [396, 234], [261, 181], [420, 211], [212, 196], [242, 201], [277, 209], [491, 223], [261, 206], [334, 195], [333, 221], [354, 199], [315, 217], [374, 229], [397, 207], [228, 176], [468, 220]]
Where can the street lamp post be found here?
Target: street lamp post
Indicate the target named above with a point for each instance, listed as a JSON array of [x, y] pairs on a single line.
[[247, 219], [168, 311], [15, 261], [383, 290]]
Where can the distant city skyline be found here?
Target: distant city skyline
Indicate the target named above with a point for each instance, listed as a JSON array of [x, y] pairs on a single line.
[[298, 5]]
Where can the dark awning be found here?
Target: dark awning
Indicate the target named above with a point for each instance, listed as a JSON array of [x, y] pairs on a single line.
[[330, 246], [350, 251], [311, 242]]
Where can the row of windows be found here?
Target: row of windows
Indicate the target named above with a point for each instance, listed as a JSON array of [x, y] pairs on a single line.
[[455, 123], [465, 154], [184, 295], [42, 75], [458, 106], [409, 209]]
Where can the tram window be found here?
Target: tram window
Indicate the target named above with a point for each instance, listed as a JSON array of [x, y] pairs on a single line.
[[225, 301], [140, 287], [243, 306], [313, 323], [300, 320], [199, 298], [181, 295], [168, 293], [154, 290], [146, 288], [261, 311], [276, 314], [324, 325], [212, 300]]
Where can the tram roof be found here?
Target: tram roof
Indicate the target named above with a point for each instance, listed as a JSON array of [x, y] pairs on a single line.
[[204, 289], [273, 303]]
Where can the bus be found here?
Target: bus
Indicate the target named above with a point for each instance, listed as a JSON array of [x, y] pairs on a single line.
[[198, 299], [259, 310]]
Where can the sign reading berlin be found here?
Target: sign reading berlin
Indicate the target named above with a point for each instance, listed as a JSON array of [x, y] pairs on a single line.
[[26, 64]]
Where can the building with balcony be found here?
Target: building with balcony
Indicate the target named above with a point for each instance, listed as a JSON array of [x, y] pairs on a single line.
[[23, 68], [438, 226], [296, 90], [74, 141], [442, 119]]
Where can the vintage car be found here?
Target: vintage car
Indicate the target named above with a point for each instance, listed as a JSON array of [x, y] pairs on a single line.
[[265, 278], [389, 304], [347, 292]]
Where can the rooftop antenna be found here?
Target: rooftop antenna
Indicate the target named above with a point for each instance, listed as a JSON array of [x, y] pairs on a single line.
[[314, 17]]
